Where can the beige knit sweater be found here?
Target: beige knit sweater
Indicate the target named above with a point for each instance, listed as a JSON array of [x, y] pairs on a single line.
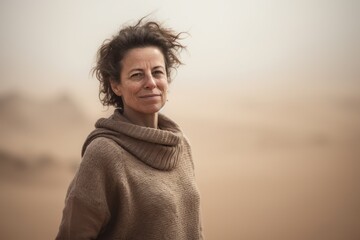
[[133, 182]]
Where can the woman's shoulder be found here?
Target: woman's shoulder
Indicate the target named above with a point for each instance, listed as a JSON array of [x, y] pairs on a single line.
[[186, 143], [100, 145], [102, 150]]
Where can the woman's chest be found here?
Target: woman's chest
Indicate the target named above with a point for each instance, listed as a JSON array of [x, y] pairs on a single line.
[[146, 191]]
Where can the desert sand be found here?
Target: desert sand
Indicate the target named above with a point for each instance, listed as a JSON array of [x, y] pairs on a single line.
[[269, 166]]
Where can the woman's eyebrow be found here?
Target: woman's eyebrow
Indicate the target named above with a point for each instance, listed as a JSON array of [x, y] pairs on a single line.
[[159, 67], [140, 69], [135, 69]]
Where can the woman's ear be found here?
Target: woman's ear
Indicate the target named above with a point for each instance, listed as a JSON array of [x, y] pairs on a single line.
[[116, 87]]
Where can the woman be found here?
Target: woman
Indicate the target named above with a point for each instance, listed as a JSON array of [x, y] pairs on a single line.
[[136, 178]]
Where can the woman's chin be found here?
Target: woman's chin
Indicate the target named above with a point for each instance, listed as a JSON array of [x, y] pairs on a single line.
[[152, 109]]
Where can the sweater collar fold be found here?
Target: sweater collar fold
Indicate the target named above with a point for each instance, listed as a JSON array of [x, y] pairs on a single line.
[[159, 148]]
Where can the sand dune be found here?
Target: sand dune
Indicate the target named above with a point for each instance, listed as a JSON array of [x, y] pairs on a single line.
[[267, 168], [32, 128]]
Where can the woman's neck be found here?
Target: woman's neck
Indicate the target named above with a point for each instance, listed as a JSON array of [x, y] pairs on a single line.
[[141, 119]]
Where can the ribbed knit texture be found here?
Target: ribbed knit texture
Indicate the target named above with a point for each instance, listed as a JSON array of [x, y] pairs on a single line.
[[134, 182], [159, 149]]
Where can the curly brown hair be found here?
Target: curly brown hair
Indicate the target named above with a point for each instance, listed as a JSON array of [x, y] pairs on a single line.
[[112, 52]]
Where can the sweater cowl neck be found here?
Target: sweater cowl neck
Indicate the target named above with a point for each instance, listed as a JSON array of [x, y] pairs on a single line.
[[159, 148]]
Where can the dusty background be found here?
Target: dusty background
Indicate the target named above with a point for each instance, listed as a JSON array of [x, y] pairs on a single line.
[[269, 98]]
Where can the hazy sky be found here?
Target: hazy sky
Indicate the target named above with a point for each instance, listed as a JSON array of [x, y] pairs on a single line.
[[51, 45]]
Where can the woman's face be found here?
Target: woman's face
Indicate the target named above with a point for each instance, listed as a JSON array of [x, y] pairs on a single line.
[[143, 81]]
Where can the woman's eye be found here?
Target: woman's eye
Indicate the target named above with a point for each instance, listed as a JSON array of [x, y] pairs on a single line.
[[158, 73], [136, 76]]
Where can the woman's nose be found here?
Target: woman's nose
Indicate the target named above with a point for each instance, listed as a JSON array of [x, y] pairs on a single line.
[[150, 82]]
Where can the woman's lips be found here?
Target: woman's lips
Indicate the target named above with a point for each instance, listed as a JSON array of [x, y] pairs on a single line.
[[150, 96]]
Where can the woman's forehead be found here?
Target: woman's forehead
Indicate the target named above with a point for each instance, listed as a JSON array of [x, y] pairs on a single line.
[[143, 57]]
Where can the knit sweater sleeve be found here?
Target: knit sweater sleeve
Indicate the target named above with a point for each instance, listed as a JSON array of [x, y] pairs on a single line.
[[86, 211], [188, 147]]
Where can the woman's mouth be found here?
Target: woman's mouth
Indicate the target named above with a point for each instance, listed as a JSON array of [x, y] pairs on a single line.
[[150, 96]]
